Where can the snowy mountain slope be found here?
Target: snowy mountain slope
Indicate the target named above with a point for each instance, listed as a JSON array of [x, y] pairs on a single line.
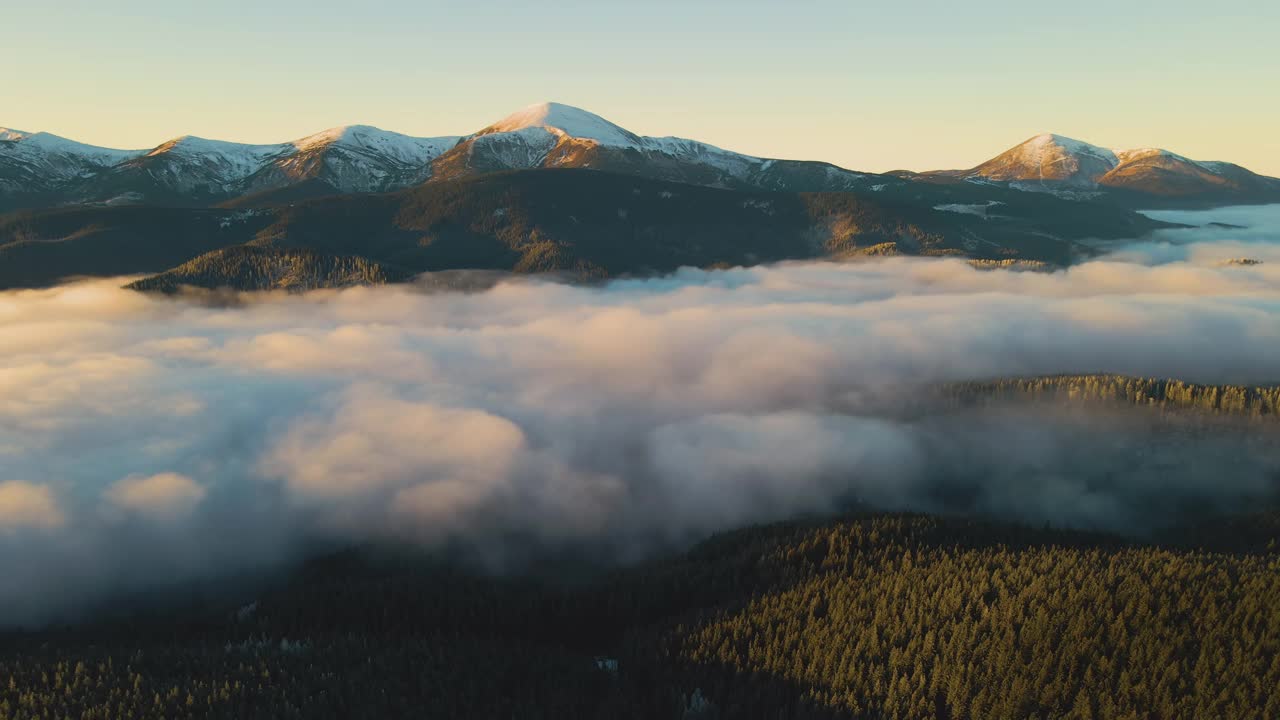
[[1145, 176], [375, 142], [355, 158], [1052, 158], [41, 170], [36, 163], [42, 143], [37, 169], [549, 135], [186, 167], [1166, 173]]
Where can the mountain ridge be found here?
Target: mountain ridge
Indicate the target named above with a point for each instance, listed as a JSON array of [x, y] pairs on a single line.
[[517, 196], [1142, 177], [39, 170], [555, 135]]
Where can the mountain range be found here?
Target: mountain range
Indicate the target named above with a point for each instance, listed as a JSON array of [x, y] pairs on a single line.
[[42, 170], [39, 170], [1143, 178], [548, 188]]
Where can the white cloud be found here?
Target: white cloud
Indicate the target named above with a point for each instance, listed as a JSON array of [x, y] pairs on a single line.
[[25, 505], [369, 442], [624, 417], [164, 495]]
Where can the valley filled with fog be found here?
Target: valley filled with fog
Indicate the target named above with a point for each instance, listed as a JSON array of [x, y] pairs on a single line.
[[146, 441]]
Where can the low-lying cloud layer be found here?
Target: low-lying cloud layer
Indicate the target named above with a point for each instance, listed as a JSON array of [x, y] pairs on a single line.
[[148, 441]]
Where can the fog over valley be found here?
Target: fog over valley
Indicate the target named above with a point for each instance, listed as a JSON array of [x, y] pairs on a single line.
[[146, 440], [619, 362]]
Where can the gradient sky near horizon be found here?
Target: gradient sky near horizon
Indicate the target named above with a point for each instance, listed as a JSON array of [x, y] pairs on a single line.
[[872, 86]]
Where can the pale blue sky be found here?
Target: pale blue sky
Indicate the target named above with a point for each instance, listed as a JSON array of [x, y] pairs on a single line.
[[871, 86]]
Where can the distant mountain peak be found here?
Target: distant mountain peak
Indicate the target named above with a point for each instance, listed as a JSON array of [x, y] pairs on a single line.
[[368, 137], [342, 135], [565, 120], [1043, 138], [1077, 169], [43, 144], [1047, 141], [1050, 157], [194, 144], [1149, 152], [40, 169]]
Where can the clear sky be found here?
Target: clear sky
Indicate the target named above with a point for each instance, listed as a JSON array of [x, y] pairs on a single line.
[[872, 86]]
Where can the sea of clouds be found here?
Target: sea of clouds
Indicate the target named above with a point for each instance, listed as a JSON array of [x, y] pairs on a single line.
[[149, 441]]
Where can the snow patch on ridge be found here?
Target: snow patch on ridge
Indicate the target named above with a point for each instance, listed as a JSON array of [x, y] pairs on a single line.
[[981, 210]]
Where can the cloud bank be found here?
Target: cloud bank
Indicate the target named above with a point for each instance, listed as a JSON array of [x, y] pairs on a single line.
[[148, 441]]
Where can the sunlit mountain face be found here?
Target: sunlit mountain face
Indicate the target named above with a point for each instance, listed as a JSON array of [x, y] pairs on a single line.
[[42, 170], [1143, 178]]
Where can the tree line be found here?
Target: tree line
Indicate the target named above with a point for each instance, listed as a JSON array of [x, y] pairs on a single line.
[[1164, 394], [866, 616]]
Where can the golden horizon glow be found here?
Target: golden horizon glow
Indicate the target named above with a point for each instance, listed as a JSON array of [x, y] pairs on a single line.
[[927, 87]]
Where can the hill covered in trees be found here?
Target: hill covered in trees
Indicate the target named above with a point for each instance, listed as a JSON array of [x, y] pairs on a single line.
[[582, 223], [1157, 393], [865, 616], [246, 267]]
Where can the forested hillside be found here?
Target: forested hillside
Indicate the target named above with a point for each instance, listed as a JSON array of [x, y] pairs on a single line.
[[876, 616], [1159, 393], [582, 223], [254, 268], [45, 248]]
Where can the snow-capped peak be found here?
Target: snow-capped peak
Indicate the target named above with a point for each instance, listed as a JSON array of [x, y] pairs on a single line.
[[190, 144], [1047, 142], [1112, 156], [1066, 166], [553, 134], [1049, 157], [343, 135], [404, 148], [565, 120], [47, 144], [1115, 156]]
